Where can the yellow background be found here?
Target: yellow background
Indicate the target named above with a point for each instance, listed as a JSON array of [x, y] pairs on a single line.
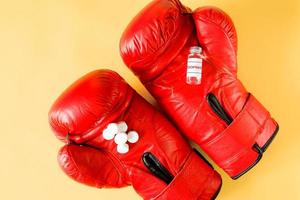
[[45, 45]]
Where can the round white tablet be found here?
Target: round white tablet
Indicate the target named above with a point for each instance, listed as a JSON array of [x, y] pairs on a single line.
[[107, 134], [113, 127], [122, 127], [122, 148], [121, 138], [133, 136]]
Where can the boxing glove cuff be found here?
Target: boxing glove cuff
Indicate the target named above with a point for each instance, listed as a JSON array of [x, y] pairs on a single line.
[[187, 181], [241, 145]]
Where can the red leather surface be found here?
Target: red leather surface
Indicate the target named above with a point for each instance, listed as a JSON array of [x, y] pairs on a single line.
[[102, 97], [186, 184], [156, 44]]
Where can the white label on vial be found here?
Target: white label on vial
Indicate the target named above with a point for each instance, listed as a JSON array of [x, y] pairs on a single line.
[[194, 67]]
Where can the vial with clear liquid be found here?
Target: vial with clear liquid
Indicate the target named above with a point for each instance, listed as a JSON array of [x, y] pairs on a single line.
[[194, 66]]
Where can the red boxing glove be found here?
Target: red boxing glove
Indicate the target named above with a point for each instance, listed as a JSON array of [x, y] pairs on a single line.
[[226, 121], [116, 139]]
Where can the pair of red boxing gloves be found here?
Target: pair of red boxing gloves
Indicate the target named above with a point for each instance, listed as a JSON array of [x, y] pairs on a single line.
[[115, 138]]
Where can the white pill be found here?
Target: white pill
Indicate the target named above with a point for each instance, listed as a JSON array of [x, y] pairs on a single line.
[[122, 148], [113, 127], [122, 127], [133, 136], [121, 138], [107, 134]]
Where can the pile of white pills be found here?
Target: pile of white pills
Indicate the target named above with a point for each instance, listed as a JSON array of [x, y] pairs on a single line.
[[117, 131]]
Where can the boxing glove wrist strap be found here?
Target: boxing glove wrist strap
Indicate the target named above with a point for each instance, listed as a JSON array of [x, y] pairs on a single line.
[[243, 131], [187, 181]]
